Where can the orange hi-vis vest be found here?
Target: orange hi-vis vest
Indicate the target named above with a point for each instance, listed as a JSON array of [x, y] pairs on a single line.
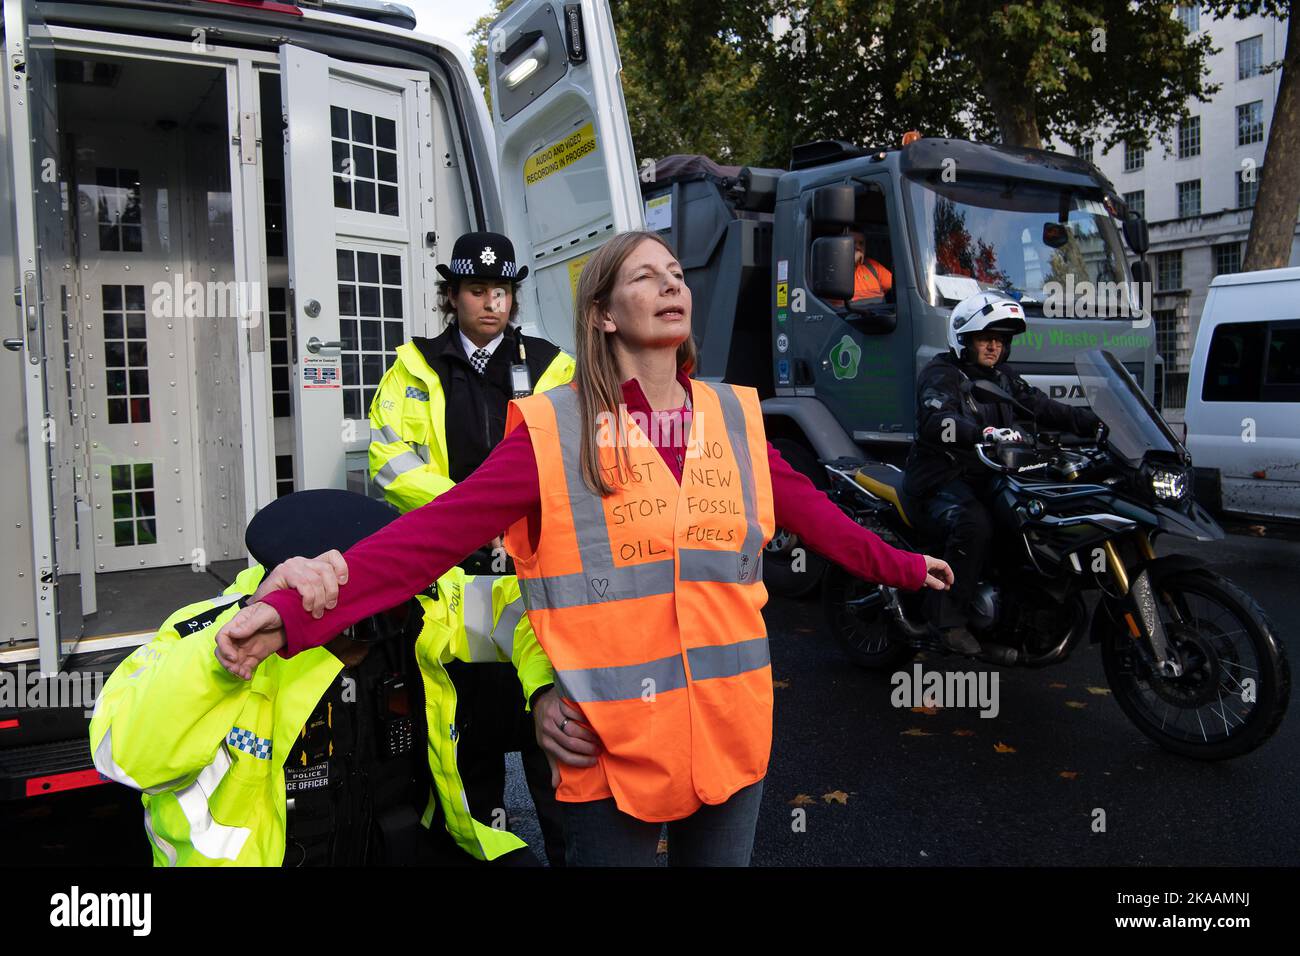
[[649, 602]]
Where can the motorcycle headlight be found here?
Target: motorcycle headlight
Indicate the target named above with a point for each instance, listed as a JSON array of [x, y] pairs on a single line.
[[1169, 485]]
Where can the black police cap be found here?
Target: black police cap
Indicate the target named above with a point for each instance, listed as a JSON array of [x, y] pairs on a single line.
[[307, 523]]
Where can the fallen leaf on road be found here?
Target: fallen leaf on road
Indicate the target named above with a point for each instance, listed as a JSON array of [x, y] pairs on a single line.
[[1056, 684], [915, 732], [780, 684], [836, 796], [1069, 774], [931, 711], [963, 733], [802, 800], [1002, 748], [1076, 704], [1258, 530], [1099, 691]]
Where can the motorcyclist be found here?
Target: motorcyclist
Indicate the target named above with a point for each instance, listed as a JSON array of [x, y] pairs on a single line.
[[943, 475]]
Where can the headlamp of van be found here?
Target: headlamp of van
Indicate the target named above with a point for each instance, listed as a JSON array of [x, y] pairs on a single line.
[[1169, 485]]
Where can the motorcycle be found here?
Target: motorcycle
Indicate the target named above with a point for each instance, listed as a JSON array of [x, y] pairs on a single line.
[[1191, 659]]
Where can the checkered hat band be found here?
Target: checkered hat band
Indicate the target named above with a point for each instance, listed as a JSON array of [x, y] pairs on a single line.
[[465, 267]]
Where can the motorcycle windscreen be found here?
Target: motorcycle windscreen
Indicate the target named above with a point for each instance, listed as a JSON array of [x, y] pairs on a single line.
[[1136, 428]]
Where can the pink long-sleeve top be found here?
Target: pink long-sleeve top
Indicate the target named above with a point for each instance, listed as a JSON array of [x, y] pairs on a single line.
[[402, 559]]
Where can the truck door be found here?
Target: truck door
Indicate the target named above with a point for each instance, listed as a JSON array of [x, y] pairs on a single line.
[[42, 597], [355, 220], [567, 173]]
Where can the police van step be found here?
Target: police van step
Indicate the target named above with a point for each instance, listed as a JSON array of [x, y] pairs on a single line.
[[46, 768]]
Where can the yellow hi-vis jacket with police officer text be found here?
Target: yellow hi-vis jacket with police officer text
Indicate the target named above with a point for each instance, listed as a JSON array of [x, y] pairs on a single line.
[[207, 749], [409, 463]]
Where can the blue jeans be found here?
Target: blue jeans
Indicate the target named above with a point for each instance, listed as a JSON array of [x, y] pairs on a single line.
[[598, 833]]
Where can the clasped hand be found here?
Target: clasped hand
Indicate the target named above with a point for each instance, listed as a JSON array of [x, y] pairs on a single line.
[[257, 632]]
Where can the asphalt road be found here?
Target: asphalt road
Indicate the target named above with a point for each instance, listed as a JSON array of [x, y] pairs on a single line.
[[880, 785], [953, 798]]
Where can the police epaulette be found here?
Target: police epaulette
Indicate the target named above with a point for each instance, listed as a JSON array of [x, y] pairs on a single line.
[[204, 619]]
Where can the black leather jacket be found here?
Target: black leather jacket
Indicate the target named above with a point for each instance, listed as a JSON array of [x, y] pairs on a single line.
[[947, 408]]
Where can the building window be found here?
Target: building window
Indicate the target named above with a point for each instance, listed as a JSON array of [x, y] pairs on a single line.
[[1137, 202], [370, 323], [1169, 271], [126, 354], [1250, 57], [365, 161], [1189, 137], [1189, 198], [1084, 151], [1247, 187], [134, 515], [281, 367], [1134, 159], [1250, 123], [1190, 17], [1227, 258], [117, 209], [283, 475], [1167, 335]]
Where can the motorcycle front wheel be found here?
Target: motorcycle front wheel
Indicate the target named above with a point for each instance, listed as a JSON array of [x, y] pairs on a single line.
[[1236, 679], [855, 615]]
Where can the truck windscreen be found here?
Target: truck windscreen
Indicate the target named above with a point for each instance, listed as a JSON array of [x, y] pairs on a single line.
[[1058, 250]]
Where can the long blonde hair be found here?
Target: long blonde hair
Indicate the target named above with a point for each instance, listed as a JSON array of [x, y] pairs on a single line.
[[599, 384]]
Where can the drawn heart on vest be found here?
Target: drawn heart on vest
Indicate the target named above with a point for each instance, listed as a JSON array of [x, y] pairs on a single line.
[[599, 585]]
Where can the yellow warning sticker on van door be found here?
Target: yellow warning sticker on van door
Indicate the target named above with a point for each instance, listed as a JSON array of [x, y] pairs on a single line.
[[575, 271], [782, 299], [566, 152]]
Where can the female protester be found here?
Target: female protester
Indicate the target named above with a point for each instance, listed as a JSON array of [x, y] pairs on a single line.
[[639, 558]]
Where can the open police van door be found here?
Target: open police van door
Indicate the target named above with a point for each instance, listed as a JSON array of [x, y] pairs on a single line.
[[566, 169], [43, 601], [356, 218]]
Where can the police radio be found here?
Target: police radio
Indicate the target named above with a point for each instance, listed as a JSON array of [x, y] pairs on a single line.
[[521, 381], [396, 727]]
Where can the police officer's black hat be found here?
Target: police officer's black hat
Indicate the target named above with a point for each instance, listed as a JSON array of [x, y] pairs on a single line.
[[483, 255], [307, 523]]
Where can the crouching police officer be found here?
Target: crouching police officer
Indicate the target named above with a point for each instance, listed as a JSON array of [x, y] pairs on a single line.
[[439, 411], [320, 759]]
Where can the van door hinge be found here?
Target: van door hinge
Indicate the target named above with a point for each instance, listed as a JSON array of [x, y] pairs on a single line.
[[248, 139]]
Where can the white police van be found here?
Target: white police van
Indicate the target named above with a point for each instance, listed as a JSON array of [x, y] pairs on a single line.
[[1243, 394], [226, 215]]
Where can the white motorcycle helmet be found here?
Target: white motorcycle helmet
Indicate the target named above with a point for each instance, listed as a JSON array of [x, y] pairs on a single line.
[[984, 312]]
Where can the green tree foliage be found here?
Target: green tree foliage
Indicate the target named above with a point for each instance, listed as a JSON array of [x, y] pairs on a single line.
[[745, 80]]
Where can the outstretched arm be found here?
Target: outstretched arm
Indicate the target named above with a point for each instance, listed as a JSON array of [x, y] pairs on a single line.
[[396, 562], [804, 509]]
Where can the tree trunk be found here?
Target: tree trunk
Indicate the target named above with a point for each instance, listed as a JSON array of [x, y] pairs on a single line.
[[1013, 106], [1272, 224]]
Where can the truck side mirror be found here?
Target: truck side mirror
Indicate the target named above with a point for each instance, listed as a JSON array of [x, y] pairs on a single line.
[[1135, 234], [1142, 279], [832, 206], [831, 266]]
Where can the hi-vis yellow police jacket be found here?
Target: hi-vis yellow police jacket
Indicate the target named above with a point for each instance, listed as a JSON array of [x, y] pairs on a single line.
[[408, 462], [207, 749]]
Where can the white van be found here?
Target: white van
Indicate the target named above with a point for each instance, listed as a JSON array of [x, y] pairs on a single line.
[[1243, 394], [223, 219]]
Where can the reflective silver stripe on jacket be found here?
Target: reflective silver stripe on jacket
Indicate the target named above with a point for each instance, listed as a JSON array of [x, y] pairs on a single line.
[[631, 681]]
